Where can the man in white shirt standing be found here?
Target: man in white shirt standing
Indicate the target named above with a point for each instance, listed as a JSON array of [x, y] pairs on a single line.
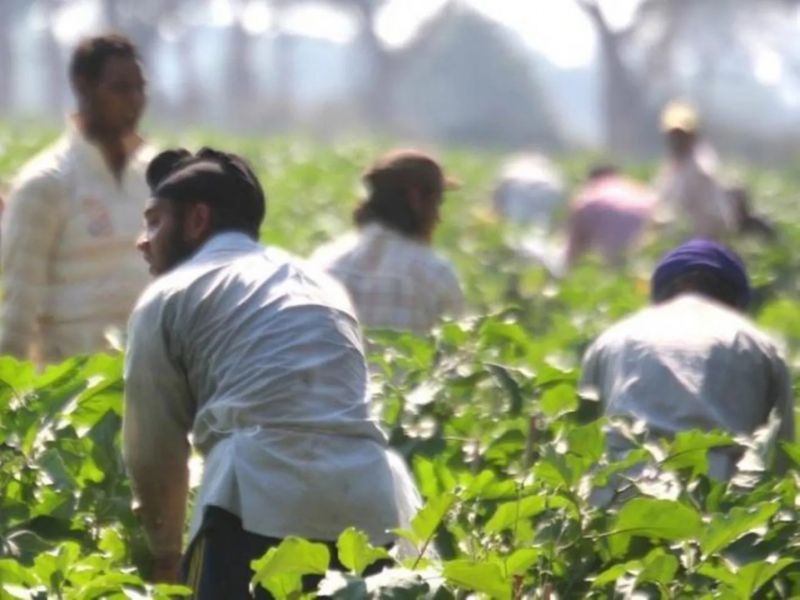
[[68, 261], [395, 279], [260, 358], [692, 360]]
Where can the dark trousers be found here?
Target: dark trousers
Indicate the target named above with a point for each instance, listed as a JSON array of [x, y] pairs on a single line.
[[217, 564]]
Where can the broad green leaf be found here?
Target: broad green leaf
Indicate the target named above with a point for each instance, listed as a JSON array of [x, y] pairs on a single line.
[[753, 576], [792, 450], [52, 461], [654, 518], [521, 561], [508, 513], [67, 555], [427, 520], [111, 543], [554, 471], [355, 551], [478, 576], [781, 315], [279, 570], [495, 332], [103, 584], [725, 529], [613, 573], [15, 375], [505, 447], [478, 485], [690, 449], [13, 572], [53, 502], [558, 400], [588, 441], [718, 572], [425, 475], [55, 376], [632, 458], [658, 567]]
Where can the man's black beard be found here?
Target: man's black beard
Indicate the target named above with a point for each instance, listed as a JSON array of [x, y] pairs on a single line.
[[178, 250]]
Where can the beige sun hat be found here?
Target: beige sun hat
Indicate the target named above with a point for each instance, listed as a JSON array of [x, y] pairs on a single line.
[[679, 115]]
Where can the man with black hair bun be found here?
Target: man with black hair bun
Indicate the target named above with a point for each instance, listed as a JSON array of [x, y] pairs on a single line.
[[259, 357], [68, 262]]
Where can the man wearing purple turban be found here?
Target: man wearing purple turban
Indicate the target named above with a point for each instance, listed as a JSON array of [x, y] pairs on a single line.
[[693, 360]]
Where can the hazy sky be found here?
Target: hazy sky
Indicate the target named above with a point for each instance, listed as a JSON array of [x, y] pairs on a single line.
[[556, 28]]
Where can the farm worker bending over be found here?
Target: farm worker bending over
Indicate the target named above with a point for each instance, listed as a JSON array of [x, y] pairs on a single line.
[[689, 188], [393, 276], [608, 216], [692, 360], [69, 263], [259, 357], [528, 191]]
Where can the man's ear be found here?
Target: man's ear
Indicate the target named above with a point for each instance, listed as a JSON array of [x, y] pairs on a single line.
[[197, 222]]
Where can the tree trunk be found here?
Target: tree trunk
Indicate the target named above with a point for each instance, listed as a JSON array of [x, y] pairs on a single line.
[[377, 97], [239, 89], [7, 22], [55, 65], [624, 108], [111, 16]]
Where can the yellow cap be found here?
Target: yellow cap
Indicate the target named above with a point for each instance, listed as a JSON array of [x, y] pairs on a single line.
[[679, 115]]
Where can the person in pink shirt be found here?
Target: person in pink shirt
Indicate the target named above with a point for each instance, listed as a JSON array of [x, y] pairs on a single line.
[[608, 216]]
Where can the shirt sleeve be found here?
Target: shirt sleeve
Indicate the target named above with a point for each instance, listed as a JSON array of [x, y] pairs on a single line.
[[31, 228], [157, 419], [784, 400]]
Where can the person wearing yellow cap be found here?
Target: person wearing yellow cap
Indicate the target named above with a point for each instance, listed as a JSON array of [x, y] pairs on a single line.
[[688, 186]]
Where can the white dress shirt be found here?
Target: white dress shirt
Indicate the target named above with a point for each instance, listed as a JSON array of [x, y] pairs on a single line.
[[395, 282], [70, 268], [690, 363], [260, 357]]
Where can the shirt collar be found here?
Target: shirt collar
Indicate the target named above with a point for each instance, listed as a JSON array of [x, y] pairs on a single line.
[[227, 241], [376, 229], [91, 153]]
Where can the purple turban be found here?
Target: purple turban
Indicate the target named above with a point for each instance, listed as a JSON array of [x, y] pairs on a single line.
[[706, 255]]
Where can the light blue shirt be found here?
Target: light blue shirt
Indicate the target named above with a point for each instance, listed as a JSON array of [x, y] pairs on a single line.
[[260, 357], [690, 363]]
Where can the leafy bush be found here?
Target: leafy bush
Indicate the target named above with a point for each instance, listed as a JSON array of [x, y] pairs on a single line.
[[509, 457]]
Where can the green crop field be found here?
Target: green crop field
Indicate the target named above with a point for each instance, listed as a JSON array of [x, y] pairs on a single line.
[[485, 410]]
